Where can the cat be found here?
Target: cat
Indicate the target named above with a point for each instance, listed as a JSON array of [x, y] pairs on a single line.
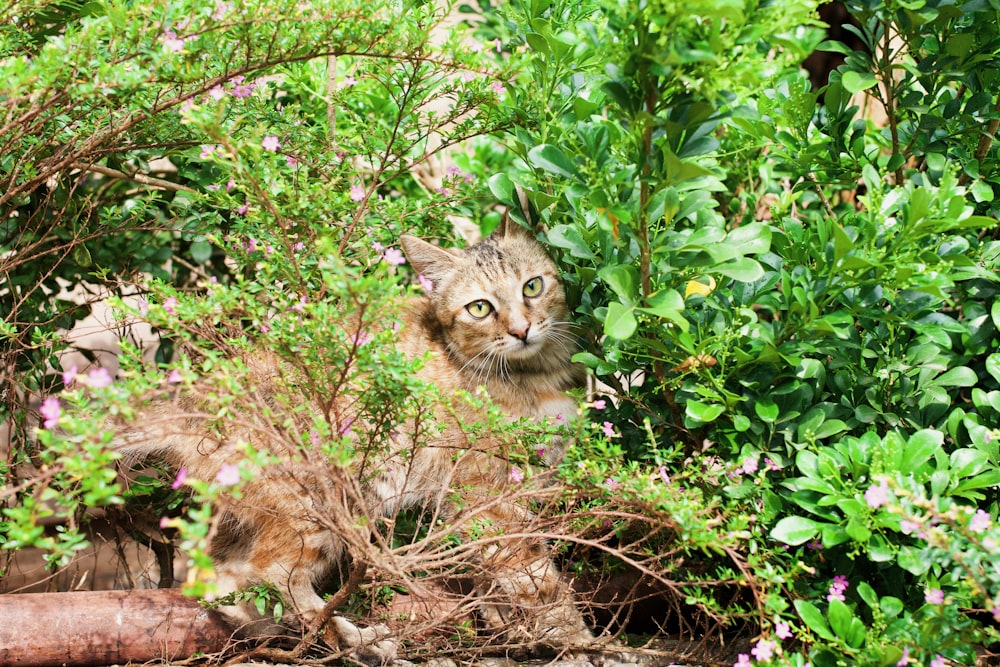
[[496, 318]]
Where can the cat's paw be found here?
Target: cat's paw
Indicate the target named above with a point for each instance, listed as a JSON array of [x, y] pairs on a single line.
[[371, 646]]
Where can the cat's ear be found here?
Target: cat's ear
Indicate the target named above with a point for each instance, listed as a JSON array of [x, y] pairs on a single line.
[[426, 258], [508, 227]]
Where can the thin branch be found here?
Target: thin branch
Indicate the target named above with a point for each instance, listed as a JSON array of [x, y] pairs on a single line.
[[137, 177]]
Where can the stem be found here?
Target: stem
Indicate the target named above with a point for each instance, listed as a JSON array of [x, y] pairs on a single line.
[[885, 65], [137, 177]]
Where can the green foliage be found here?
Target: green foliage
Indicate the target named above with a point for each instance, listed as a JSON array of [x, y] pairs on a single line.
[[789, 301]]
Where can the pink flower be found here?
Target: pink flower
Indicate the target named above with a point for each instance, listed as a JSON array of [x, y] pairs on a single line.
[[909, 527], [230, 184], [172, 41], [99, 378], [170, 305], [301, 305], [143, 306], [609, 430], [357, 192], [298, 246], [426, 283], [612, 484], [749, 466], [175, 376], [228, 475], [244, 90], [206, 151], [498, 89], [934, 596], [764, 650], [182, 476], [242, 210], [291, 161], [516, 475], [837, 588], [939, 661], [663, 474], [467, 77], [69, 376], [905, 660], [394, 256], [876, 496], [782, 630], [350, 81], [742, 661], [270, 143], [980, 520], [600, 404], [216, 92], [50, 410]]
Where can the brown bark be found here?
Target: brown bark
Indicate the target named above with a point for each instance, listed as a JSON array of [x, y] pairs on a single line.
[[105, 627]]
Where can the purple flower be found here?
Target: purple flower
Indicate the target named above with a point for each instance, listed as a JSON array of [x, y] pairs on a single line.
[[350, 81], [228, 475], [749, 466], [764, 650], [270, 143], [782, 630], [291, 161], [298, 246], [600, 404], [909, 527], [170, 305], [99, 378], [206, 151], [609, 430], [663, 474], [905, 660], [230, 184], [301, 305], [69, 376], [426, 283], [174, 377], [50, 410], [876, 496], [143, 306], [980, 520], [242, 209], [612, 484], [934, 596], [516, 475], [182, 476], [357, 192], [498, 89], [394, 256], [939, 661]]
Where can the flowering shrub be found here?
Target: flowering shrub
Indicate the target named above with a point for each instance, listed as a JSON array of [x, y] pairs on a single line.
[[788, 306]]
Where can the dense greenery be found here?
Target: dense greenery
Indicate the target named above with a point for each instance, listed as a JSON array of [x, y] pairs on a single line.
[[788, 302]]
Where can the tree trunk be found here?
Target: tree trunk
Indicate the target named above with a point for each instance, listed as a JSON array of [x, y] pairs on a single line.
[[105, 627]]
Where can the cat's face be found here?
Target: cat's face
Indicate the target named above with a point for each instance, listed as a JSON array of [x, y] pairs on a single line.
[[500, 302]]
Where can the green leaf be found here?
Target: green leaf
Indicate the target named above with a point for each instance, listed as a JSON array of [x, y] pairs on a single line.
[[855, 82], [795, 530], [503, 189], [962, 376], [766, 409], [911, 559], [569, 238], [703, 412], [620, 322], [920, 449], [623, 279], [752, 239], [847, 626], [744, 269], [993, 361], [814, 620], [549, 158]]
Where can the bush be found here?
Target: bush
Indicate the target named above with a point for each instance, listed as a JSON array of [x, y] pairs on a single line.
[[789, 305]]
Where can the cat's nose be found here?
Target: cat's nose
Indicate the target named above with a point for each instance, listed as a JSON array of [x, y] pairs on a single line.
[[519, 330]]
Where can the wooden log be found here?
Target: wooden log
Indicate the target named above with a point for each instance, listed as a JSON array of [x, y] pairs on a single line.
[[105, 627]]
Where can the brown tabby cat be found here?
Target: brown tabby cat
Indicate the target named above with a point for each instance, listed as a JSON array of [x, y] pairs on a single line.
[[495, 318]]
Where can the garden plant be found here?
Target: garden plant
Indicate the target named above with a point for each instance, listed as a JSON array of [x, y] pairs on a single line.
[[785, 296]]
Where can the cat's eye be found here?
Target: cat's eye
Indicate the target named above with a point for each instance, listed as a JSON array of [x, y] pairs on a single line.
[[533, 287], [479, 309]]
